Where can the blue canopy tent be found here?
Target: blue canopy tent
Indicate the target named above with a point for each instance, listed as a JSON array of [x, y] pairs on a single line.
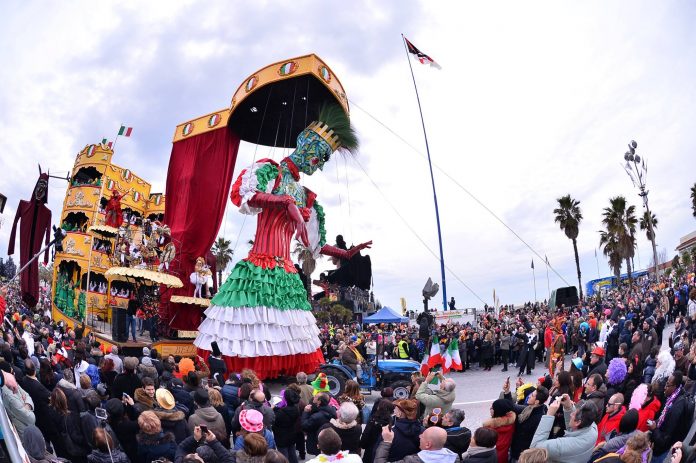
[[385, 315]]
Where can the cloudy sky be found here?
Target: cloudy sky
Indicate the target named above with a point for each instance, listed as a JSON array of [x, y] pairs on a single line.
[[534, 100]]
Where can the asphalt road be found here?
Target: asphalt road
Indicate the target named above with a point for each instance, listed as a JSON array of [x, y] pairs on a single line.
[[477, 389]]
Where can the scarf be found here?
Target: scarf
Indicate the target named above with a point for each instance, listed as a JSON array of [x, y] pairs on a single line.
[[526, 413], [357, 355], [668, 405]]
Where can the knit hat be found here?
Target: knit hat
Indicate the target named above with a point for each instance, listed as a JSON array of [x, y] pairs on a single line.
[[251, 420], [320, 383], [101, 390], [409, 407], [165, 399], [501, 407], [598, 351], [146, 352], [114, 407], [546, 381], [201, 397]]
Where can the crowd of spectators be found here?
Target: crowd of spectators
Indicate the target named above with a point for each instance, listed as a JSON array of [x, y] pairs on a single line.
[[605, 389]]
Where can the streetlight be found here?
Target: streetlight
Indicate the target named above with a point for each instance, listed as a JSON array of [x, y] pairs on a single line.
[[634, 164]]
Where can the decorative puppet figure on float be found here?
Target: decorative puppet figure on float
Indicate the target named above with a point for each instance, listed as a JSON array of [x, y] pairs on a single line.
[[260, 317], [200, 277], [113, 213]]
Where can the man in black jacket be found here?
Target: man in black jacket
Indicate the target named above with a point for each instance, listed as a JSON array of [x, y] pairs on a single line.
[[596, 364], [528, 418], [458, 436], [673, 423], [314, 417], [39, 394], [127, 381]]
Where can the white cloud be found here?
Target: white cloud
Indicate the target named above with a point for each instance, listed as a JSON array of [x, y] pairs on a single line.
[[534, 101]]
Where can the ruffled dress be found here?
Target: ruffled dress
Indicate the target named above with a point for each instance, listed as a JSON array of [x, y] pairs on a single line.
[[260, 317]]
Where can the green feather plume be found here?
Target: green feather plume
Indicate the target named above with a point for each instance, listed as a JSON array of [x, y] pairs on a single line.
[[334, 116]]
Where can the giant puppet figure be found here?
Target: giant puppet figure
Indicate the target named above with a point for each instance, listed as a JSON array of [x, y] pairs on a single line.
[[260, 318], [35, 224]]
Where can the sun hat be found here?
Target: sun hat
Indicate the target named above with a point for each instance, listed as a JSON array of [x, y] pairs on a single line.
[[165, 399], [251, 420]]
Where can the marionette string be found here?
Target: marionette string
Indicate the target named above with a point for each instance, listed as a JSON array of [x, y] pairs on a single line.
[[418, 237], [461, 187]]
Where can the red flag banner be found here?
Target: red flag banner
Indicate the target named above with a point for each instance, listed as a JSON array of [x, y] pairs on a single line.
[[422, 57]]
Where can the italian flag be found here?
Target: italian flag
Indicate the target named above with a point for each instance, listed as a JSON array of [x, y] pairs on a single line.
[[435, 358], [424, 366], [125, 131], [452, 361]]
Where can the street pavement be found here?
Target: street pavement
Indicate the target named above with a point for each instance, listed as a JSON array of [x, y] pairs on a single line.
[[477, 389]]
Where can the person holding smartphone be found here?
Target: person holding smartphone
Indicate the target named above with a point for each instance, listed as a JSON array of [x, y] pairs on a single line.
[[406, 429], [442, 398]]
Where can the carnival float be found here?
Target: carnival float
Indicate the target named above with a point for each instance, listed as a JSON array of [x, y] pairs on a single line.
[[124, 241]]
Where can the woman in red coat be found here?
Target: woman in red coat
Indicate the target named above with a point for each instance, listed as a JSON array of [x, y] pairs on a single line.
[[503, 421]]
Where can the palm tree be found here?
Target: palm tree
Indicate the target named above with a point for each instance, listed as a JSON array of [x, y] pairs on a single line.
[[620, 221], [223, 255], [693, 199], [568, 217], [305, 257], [611, 250], [646, 221]]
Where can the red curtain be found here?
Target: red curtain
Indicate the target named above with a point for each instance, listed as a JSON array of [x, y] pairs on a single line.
[[198, 185]]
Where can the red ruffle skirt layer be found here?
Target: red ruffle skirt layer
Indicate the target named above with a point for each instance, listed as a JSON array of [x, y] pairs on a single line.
[[272, 366]]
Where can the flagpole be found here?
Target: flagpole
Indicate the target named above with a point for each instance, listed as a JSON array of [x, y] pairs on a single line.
[[597, 260], [432, 179], [118, 134], [548, 284]]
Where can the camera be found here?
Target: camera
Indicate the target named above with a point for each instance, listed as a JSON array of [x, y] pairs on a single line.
[[101, 413]]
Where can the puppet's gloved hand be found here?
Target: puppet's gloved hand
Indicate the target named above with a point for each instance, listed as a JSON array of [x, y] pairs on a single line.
[[300, 227]]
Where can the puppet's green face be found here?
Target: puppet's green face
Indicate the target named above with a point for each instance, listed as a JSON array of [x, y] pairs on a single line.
[[312, 152]]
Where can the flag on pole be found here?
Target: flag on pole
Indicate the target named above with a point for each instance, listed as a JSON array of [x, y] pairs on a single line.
[[424, 366], [532, 264], [447, 360], [435, 358], [452, 360], [422, 57], [125, 131], [454, 354]]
